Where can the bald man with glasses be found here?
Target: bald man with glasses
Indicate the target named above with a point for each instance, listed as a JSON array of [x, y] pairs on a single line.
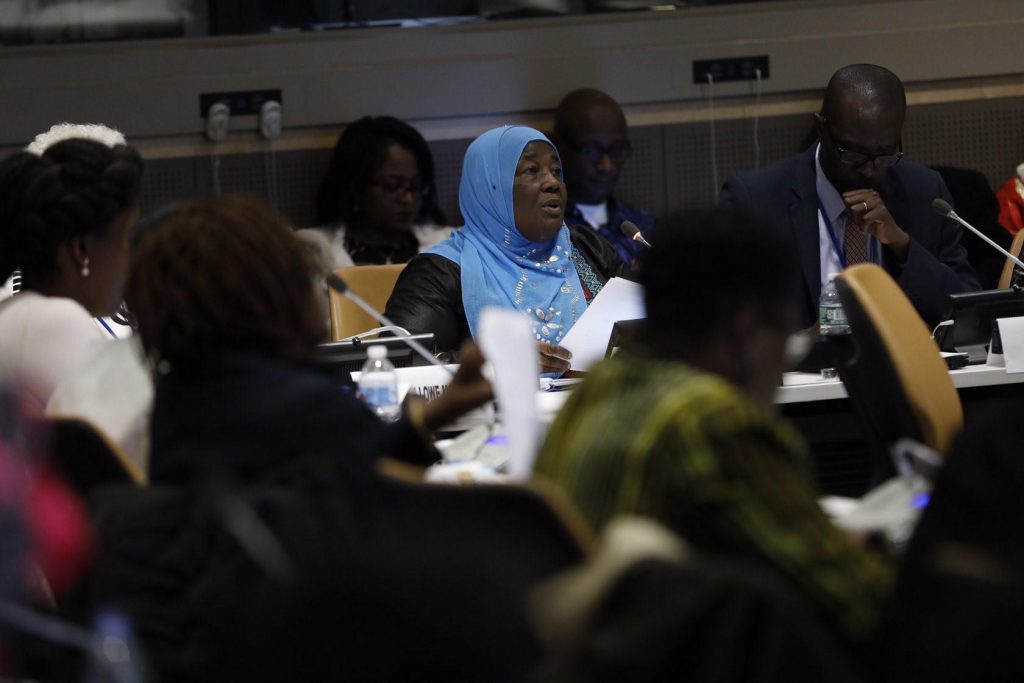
[[593, 142], [852, 197]]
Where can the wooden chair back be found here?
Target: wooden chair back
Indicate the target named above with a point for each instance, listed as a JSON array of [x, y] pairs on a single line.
[[374, 284], [896, 377]]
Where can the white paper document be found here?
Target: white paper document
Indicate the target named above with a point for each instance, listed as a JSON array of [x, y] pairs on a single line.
[[618, 300], [1011, 333], [506, 338]]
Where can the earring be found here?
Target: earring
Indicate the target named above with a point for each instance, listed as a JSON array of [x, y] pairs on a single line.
[[85, 267]]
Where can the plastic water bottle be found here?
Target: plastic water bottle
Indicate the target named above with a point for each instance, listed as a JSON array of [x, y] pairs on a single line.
[[378, 384], [117, 656], [831, 316]]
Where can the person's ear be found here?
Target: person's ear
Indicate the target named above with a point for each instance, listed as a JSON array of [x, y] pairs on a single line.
[[78, 248], [745, 324], [819, 125]]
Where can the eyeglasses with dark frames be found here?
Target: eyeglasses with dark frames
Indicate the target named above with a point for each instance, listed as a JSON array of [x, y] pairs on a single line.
[[618, 152], [854, 158]]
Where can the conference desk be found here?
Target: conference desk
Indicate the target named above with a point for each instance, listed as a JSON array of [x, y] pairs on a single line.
[[803, 387], [799, 387], [820, 410]]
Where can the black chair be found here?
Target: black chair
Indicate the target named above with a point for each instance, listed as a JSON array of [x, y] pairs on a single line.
[[383, 578], [85, 457], [977, 204]]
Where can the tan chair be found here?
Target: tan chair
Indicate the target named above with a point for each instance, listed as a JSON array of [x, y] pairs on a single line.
[[1007, 277], [896, 378], [372, 283]]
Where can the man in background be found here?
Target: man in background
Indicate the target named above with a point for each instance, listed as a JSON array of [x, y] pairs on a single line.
[[851, 198], [591, 135]]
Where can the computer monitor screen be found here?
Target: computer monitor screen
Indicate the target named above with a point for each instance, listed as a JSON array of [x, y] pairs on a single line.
[[624, 334], [341, 358], [973, 314]]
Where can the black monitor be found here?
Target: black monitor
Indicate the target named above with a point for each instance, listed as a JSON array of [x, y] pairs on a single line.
[[973, 314], [341, 358], [625, 333]]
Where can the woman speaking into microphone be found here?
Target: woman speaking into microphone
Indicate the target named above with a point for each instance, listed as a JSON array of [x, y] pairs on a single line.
[[514, 251]]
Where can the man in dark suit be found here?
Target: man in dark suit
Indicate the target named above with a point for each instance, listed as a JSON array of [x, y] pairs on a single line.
[[852, 198]]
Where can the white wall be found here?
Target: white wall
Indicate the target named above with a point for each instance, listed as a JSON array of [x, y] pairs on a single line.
[[456, 81]]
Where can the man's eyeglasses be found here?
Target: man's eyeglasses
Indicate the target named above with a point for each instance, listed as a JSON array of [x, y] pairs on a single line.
[[618, 152], [398, 188], [854, 158]]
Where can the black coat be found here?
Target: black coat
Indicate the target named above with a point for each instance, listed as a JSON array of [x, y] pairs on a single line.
[[235, 439], [428, 294], [936, 266], [243, 414]]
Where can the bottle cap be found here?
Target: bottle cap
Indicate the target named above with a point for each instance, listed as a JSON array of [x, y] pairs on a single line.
[[376, 352]]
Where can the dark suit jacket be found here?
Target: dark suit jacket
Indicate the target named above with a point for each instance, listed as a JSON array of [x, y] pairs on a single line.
[[936, 264]]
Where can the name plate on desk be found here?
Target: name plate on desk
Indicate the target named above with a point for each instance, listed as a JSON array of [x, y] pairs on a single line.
[[430, 381], [1011, 332]]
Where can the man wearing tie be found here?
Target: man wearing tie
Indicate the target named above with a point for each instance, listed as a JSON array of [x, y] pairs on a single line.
[[851, 198]]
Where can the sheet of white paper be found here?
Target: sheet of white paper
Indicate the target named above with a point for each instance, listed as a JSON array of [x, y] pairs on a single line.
[[507, 341], [619, 299], [1011, 332]]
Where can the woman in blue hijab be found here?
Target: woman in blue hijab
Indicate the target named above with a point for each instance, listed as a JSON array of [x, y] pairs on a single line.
[[514, 251]]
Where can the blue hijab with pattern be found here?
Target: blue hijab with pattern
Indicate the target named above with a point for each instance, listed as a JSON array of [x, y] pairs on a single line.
[[499, 266]]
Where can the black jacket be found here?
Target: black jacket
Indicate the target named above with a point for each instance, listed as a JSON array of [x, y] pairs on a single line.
[[936, 266], [245, 413], [235, 437], [428, 294]]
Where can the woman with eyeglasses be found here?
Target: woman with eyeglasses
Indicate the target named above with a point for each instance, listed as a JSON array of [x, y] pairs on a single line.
[[377, 204], [515, 251]]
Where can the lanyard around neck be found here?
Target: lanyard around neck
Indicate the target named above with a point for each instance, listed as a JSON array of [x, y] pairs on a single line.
[[832, 235], [104, 325]]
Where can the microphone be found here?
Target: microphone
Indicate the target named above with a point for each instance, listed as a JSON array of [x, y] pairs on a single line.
[[629, 229], [942, 207], [338, 284]]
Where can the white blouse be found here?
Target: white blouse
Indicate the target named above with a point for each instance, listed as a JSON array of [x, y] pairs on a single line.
[[44, 339], [330, 242]]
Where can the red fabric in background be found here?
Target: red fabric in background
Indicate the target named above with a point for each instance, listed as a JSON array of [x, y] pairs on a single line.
[[1011, 206], [59, 530]]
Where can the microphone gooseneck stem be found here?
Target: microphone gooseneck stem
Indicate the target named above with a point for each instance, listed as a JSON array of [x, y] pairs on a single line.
[[638, 237], [961, 221], [415, 345]]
